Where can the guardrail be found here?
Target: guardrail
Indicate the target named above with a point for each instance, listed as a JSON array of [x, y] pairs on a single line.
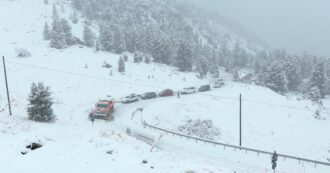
[[299, 159]]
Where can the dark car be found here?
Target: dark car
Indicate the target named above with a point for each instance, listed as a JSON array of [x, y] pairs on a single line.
[[204, 88], [149, 95], [166, 93]]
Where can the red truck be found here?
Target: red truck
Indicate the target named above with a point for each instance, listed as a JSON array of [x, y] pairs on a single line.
[[103, 110]]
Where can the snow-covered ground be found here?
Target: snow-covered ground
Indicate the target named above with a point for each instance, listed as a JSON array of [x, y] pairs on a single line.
[[73, 144]]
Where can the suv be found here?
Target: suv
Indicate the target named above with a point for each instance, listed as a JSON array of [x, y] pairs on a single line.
[[204, 88], [166, 93], [190, 90], [130, 99], [149, 95]]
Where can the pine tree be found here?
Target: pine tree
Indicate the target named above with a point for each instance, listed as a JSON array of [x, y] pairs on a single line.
[[314, 94], [66, 28], [224, 55], [106, 37], [88, 37], [236, 76], [136, 57], [161, 51], [125, 58], [319, 78], [46, 32], [275, 78], [55, 14], [214, 68], [97, 46], [292, 71], [57, 40], [184, 56], [236, 56], [257, 66], [121, 65], [40, 104], [118, 42], [74, 17], [147, 59], [202, 67]]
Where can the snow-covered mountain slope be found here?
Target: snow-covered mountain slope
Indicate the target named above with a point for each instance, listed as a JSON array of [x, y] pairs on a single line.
[[73, 144]]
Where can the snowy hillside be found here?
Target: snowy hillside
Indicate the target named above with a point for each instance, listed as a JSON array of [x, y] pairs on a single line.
[[77, 80]]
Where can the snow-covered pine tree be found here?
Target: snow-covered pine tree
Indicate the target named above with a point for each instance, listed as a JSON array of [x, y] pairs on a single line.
[[214, 68], [55, 14], [106, 37], [275, 78], [97, 45], [314, 94], [88, 37], [119, 44], [236, 76], [184, 56], [74, 17], [224, 55], [236, 61], [319, 78], [257, 66], [292, 71], [66, 28], [161, 50], [121, 65], [136, 57], [147, 59], [40, 104], [202, 67], [46, 32], [125, 57], [307, 64], [57, 39]]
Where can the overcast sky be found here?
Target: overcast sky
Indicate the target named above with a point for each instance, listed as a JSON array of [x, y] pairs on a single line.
[[295, 25]]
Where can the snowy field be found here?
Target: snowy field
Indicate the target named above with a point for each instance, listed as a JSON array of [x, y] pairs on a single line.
[[72, 144]]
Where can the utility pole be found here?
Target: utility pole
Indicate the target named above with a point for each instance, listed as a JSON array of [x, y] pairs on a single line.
[[8, 98], [240, 120]]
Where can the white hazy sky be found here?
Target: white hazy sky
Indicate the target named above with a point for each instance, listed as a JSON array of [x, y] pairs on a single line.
[[295, 25]]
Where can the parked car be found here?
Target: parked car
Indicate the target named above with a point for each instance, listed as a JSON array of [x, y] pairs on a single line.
[[204, 88], [130, 99], [219, 83], [149, 95], [166, 93], [190, 90]]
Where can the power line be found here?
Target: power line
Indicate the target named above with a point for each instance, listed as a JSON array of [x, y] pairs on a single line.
[[82, 75]]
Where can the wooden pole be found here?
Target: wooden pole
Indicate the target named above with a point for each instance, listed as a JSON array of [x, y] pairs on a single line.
[[8, 98]]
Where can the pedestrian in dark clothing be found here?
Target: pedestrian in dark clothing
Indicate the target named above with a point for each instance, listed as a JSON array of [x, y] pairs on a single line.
[[274, 160], [92, 119]]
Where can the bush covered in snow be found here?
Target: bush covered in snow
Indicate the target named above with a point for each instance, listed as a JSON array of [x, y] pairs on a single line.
[[21, 52], [106, 65], [204, 129]]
